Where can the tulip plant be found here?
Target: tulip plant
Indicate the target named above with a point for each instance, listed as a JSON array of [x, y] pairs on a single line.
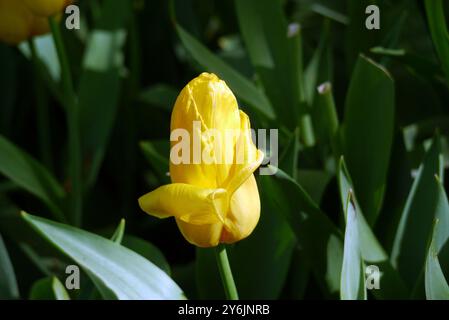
[[281, 149]]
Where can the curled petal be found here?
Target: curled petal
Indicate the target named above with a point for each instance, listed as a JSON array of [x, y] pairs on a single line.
[[188, 203], [247, 157], [207, 235], [244, 212]]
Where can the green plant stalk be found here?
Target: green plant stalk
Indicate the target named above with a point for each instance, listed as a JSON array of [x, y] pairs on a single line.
[[306, 130], [43, 123], [325, 101], [225, 272], [72, 113], [329, 112]]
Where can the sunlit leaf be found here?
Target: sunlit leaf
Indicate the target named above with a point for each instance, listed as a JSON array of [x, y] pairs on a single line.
[[352, 274], [118, 272]]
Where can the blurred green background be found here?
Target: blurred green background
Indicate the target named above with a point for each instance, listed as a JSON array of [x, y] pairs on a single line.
[[362, 158]]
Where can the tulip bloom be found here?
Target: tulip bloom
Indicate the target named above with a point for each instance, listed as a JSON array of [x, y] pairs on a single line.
[[21, 19], [212, 201]]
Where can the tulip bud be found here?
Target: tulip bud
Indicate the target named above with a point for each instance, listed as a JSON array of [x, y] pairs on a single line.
[[46, 8], [21, 19], [15, 21], [213, 195]]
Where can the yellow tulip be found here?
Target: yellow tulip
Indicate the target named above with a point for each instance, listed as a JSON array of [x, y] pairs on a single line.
[[21, 19], [46, 8], [212, 201]]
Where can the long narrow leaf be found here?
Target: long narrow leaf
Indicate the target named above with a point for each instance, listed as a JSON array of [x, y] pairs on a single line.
[[8, 283], [118, 272]]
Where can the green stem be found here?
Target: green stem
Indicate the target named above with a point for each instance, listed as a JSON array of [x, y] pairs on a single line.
[[43, 123], [225, 272], [72, 114], [306, 130], [326, 105]]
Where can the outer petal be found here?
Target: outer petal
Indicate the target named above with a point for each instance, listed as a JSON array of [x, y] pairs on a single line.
[[204, 236], [191, 204], [208, 101], [247, 157], [244, 212], [15, 21], [40, 25]]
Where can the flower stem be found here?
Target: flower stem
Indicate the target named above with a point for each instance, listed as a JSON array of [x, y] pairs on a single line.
[[226, 273], [72, 114]]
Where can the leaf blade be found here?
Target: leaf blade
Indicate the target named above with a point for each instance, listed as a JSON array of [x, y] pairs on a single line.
[[117, 271], [368, 133]]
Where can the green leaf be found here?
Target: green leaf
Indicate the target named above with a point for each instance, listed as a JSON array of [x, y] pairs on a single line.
[[435, 283], [392, 284], [420, 65], [118, 272], [329, 12], [261, 262], [159, 162], [358, 38], [100, 83], [313, 229], [147, 250], [41, 263], [48, 289], [185, 275], [8, 282], [9, 83], [99, 94], [160, 95], [415, 226], [117, 237], [352, 285], [88, 291], [289, 158], [314, 182], [438, 31], [46, 51], [274, 53], [207, 275], [313, 71], [30, 175], [299, 275], [325, 116], [368, 133], [241, 86]]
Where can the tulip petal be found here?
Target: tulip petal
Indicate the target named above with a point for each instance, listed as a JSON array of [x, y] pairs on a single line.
[[206, 108], [247, 157], [15, 21], [204, 236], [189, 203], [45, 8], [244, 212]]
